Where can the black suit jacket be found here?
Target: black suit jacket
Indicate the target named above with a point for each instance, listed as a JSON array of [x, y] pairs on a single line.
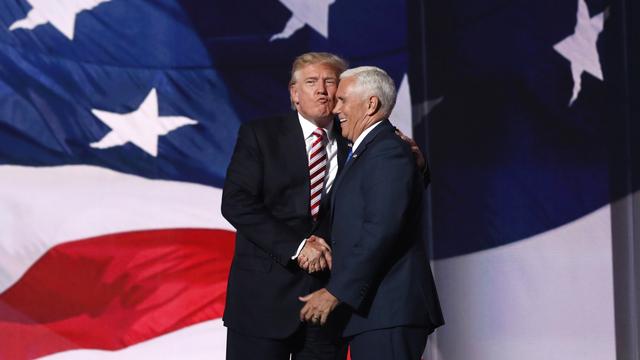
[[266, 198], [380, 267]]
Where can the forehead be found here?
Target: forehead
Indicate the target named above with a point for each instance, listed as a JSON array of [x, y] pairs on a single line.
[[346, 85], [318, 70]]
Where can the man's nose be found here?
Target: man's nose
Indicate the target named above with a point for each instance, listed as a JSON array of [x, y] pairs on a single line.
[[322, 88]]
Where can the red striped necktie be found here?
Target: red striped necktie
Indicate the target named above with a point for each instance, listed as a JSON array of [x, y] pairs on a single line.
[[317, 170]]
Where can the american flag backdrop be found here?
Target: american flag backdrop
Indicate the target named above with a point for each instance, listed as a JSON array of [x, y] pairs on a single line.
[[117, 121]]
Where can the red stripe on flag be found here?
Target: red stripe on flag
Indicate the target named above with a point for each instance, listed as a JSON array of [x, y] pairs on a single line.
[[113, 291]]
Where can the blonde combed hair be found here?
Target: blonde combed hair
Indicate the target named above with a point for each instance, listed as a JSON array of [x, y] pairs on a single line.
[[312, 58]]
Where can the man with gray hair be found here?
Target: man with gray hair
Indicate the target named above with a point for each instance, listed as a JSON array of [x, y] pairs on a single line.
[[381, 285]]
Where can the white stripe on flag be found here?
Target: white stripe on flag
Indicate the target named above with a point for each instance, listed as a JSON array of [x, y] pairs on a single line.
[[203, 341], [45, 206], [546, 297]]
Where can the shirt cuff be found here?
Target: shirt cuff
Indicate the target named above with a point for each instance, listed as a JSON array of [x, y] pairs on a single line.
[[299, 249]]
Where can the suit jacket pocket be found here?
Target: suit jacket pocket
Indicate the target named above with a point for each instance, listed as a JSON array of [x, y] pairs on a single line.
[[252, 263]]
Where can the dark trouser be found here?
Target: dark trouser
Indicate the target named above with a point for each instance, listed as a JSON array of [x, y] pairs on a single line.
[[307, 343], [399, 343]]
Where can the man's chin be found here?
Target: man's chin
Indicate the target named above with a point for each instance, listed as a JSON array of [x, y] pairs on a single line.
[[324, 113], [327, 109], [320, 119]]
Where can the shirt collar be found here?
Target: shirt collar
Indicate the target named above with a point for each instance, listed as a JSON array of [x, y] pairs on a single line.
[[308, 127], [362, 136]]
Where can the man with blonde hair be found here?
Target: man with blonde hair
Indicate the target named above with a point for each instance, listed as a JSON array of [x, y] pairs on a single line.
[[275, 195]]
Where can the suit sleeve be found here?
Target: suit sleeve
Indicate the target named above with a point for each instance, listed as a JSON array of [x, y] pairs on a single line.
[[387, 197], [243, 205]]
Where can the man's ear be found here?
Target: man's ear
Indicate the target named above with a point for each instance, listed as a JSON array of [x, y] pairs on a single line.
[[293, 93], [373, 106]]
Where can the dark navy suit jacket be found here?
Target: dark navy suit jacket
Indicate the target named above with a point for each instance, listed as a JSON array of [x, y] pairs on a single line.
[[380, 267], [266, 198]]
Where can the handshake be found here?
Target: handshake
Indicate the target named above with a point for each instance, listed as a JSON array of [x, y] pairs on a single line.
[[315, 255]]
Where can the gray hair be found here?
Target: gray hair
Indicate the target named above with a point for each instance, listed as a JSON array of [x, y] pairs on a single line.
[[373, 81]]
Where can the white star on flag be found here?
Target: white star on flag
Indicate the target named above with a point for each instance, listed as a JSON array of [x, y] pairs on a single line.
[[60, 13], [429, 105], [141, 127], [580, 48], [401, 113], [314, 13]]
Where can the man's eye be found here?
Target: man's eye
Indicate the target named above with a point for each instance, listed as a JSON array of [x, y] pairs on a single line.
[[310, 82]]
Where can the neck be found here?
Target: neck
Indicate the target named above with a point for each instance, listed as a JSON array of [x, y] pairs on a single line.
[[367, 123]]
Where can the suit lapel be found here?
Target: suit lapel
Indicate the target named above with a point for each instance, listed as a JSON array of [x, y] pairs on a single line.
[[385, 125], [292, 144], [361, 149], [343, 146]]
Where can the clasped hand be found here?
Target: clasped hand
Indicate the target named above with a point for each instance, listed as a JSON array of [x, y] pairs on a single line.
[[315, 255]]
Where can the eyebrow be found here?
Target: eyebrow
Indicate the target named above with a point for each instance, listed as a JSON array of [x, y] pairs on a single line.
[[317, 77]]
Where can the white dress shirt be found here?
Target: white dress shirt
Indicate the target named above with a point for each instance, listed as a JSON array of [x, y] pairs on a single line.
[[362, 136], [331, 148]]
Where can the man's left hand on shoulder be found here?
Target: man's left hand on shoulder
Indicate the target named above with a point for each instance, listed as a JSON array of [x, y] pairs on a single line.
[[420, 160]]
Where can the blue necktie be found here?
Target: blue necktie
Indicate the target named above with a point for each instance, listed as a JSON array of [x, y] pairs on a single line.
[[348, 156]]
